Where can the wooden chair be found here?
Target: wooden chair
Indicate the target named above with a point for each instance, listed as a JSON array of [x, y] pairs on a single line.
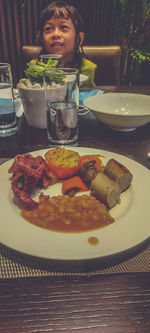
[[107, 58]]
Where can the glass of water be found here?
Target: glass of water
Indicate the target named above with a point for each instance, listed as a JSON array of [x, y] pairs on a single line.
[[58, 58], [61, 88], [8, 121]]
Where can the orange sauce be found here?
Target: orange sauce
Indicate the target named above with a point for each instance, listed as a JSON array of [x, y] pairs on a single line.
[[93, 241]]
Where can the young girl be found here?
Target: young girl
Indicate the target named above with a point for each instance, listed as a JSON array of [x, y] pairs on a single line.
[[61, 32]]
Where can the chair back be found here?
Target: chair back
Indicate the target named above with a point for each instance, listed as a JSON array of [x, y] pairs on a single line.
[[106, 57]]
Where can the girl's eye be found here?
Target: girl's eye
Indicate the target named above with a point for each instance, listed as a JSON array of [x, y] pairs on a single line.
[[64, 27], [47, 29]]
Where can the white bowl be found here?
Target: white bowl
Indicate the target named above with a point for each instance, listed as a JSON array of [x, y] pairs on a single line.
[[120, 111]]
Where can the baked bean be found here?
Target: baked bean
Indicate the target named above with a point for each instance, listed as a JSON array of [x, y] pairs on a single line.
[[69, 214]]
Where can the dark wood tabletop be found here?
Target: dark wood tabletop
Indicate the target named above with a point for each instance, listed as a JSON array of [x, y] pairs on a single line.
[[114, 303]]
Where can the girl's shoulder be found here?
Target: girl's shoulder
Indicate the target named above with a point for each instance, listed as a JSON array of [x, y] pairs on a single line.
[[86, 63], [88, 68]]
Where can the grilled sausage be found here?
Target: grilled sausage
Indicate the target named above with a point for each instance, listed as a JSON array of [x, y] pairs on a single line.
[[119, 173], [106, 190]]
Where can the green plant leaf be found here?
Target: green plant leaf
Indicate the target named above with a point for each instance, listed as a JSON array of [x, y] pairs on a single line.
[[37, 71], [52, 63], [132, 19]]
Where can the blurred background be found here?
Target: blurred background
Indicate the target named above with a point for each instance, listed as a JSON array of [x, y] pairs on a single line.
[[107, 22]]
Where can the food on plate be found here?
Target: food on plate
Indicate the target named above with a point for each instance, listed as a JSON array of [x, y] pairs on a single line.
[[90, 166], [96, 158], [72, 185], [106, 190], [93, 241], [69, 214], [119, 173], [88, 172], [76, 173], [63, 162], [28, 171]]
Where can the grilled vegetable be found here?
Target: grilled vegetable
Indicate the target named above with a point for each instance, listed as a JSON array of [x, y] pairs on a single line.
[[96, 158], [88, 172], [72, 185], [63, 162]]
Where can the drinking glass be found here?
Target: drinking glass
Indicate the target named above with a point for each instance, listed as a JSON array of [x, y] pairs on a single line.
[[8, 121], [61, 88], [57, 57]]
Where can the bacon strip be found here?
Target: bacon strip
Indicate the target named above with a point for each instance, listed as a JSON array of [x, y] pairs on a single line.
[[28, 172]]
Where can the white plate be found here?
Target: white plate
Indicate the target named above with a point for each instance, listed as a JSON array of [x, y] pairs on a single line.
[[131, 226], [71, 78], [83, 78]]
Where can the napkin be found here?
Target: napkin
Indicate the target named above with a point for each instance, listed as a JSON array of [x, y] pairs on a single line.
[[4, 100]]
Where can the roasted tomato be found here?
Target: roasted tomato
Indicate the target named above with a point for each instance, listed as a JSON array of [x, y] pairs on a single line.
[[63, 162]]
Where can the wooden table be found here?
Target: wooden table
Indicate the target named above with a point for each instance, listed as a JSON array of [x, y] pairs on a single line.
[[114, 303]]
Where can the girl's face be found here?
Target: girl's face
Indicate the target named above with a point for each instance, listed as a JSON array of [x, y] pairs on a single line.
[[59, 37]]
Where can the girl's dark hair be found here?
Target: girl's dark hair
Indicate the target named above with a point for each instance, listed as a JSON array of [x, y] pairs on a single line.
[[62, 9]]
